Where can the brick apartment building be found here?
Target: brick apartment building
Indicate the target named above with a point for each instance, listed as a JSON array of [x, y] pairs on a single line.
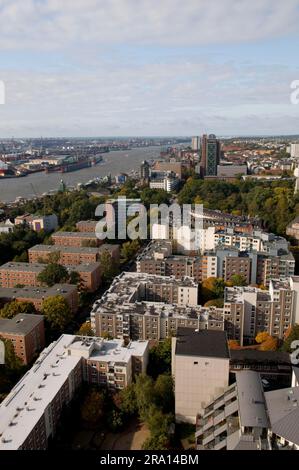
[[37, 295], [26, 274], [76, 239], [72, 255], [27, 334], [87, 226]]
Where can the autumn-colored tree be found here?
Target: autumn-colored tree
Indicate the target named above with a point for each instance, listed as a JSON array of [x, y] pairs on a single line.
[[233, 344], [270, 344], [85, 329], [262, 336]]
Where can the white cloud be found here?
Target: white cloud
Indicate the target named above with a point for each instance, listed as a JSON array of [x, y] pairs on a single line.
[[55, 23]]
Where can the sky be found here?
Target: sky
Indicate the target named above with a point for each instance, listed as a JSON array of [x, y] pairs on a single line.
[[148, 67]]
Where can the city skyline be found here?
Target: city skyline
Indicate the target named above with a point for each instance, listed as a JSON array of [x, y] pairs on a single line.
[[123, 68]]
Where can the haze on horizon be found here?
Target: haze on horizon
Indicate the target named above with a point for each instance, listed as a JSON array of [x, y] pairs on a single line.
[[128, 68]]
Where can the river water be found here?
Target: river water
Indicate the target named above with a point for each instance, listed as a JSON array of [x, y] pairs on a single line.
[[113, 163]]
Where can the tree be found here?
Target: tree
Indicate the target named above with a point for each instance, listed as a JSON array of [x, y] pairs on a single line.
[[126, 400], [11, 309], [156, 443], [163, 391], [267, 342], [238, 280], [129, 249], [212, 288], [53, 274], [262, 336], [74, 278], [108, 266], [144, 395], [115, 421], [270, 344], [233, 344], [85, 329], [160, 358], [293, 335], [92, 409], [12, 361], [57, 312], [158, 422]]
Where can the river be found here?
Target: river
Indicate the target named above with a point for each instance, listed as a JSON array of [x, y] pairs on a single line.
[[113, 163]]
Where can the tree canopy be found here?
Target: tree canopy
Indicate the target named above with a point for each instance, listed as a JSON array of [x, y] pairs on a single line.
[[11, 309], [57, 312]]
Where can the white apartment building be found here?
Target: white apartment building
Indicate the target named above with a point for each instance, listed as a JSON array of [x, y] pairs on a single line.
[[294, 150], [30, 413], [200, 367]]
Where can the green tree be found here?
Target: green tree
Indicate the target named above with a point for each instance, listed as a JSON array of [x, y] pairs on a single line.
[[127, 400], [160, 358], [57, 312], [160, 442], [158, 422], [238, 280], [74, 278], [163, 391], [53, 274], [12, 361], [129, 249], [144, 395], [108, 266], [115, 421], [11, 309]]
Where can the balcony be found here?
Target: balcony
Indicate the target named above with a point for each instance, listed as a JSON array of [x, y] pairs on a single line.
[[232, 425]]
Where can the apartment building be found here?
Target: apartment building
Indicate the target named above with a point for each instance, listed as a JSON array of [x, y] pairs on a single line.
[[144, 306], [37, 295], [26, 274], [269, 267], [157, 259], [29, 415], [48, 223], [76, 239], [235, 419], [200, 367], [27, 334], [249, 310], [68, 255], [245, 417], [86, 226], [73, 255]]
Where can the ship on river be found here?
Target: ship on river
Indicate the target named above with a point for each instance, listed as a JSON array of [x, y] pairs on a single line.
[[74, 164]]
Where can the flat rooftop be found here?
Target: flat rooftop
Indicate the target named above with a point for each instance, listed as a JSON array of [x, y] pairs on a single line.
[[64, 249], [36, 292], [21, 324], [28, 400], [38, 267], [75, 235], [202, 343]]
